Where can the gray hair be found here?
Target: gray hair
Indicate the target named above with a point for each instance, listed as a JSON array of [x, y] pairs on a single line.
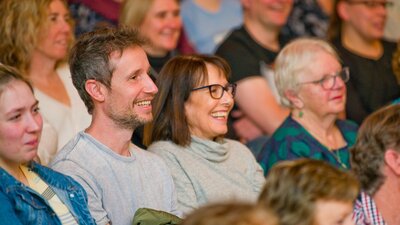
[[294, 61]]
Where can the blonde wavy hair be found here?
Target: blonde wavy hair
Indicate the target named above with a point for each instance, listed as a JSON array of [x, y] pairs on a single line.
[[133, 12], [22, 22]]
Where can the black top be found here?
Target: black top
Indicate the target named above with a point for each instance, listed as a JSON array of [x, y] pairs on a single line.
[[372, 82], [245, 55]]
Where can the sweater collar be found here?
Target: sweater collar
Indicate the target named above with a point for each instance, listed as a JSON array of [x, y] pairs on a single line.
[[216, 151]]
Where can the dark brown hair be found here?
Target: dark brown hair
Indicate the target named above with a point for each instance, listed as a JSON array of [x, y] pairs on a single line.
[[175, 83]]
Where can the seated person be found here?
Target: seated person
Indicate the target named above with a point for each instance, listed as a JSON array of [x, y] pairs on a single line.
[[311, 82], [190, 118], [234, 213], [375, 160], [310, 192], [31, 193], [109, 69], [36, 37], [251, 50], [356, 31]]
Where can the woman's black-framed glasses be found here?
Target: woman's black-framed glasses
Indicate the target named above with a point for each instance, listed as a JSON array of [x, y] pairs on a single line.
[[329, 81], [217, 90]]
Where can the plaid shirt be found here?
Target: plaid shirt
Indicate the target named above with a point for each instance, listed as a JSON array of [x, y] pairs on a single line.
[[365, 211]]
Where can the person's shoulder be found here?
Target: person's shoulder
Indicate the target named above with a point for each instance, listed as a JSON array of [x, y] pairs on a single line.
[[159, 147], [389, 44], [288, 128], [53, 175], [153, 154], [234, 144], [238, 37], [78, 150], [239, 148]]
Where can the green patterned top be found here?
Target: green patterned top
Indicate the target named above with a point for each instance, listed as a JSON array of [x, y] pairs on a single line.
[[292, 141]]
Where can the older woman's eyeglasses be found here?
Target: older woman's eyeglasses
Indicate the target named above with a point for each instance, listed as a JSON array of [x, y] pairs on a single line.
[[371, 3], [217, 90], [329, 81]]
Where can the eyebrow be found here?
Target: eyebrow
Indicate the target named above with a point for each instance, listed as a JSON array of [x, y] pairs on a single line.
[[22, 108]]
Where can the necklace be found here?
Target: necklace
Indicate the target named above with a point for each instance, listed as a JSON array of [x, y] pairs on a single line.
[[335, 154]]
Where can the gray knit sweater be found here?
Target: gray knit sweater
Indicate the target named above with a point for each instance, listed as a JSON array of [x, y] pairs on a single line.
[[209, 171]]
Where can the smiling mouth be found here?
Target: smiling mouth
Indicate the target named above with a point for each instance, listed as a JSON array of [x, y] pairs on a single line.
[[143, 103], [219, 115]]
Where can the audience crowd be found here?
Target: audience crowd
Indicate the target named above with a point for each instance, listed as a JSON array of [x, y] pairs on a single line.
[[199, 112]]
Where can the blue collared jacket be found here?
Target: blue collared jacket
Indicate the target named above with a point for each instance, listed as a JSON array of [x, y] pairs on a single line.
[[20, 204]]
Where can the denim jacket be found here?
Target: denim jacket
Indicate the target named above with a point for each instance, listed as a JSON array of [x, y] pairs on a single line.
[[19, 204]]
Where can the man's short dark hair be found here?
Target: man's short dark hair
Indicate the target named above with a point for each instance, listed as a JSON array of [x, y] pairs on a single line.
[[91, 54]]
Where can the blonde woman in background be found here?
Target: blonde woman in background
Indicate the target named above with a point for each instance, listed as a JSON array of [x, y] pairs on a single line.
[[158, 21], [36, 36]]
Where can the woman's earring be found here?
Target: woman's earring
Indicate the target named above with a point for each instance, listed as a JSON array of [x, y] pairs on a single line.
[[301, 113]]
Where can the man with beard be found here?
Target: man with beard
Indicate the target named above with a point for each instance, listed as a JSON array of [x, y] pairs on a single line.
[[109, 69]]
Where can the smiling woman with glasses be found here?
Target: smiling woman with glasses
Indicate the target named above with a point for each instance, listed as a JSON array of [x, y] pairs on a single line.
[[190, 114], [311, 82]]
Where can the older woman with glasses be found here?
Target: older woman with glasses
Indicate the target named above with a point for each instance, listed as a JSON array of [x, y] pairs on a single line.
[[311, 82], [190, 119]]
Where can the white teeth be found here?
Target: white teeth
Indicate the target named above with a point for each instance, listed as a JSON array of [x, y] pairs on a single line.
[[144, 103], [219, 114]]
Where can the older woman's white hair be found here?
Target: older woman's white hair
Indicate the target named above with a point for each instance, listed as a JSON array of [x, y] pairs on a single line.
[[294, 61]]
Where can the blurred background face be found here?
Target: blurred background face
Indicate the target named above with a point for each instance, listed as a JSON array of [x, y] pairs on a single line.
[[315, 98], [207, 117], [269, 13], [367, 20], [162, 26], [20, 123], [55, 38], [331, 212]]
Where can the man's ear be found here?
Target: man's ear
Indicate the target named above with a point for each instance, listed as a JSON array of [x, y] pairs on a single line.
[[96, 90], [294, 98], [392, 159]]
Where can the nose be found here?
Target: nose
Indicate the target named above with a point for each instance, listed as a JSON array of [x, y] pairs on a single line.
[[339, 83], [65, 26], [174, 21], [227, 98], [34, 123], [149, 86]]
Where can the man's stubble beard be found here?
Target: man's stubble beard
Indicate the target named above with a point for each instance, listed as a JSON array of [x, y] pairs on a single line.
[[126, 119]]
